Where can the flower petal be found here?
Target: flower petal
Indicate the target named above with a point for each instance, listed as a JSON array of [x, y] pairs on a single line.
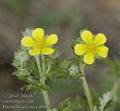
[[38, 33], [102, 51], [89, 58], [100, 39], [80, 49], [87, 36], [27, 41], [47, 51], [34, 51], [51, 39]]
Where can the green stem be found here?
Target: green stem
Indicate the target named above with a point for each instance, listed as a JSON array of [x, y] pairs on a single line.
[[45, 94], [41, 69], [46, 99], [41, 73], [86, 90], [43, 64], [38, 64]]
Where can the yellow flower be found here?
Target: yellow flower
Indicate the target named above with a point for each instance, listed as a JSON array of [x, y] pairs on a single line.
[[91, 47], [39, 44]]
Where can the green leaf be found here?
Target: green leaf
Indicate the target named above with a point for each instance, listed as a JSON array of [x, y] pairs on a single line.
[[72, 104], [105, 101]]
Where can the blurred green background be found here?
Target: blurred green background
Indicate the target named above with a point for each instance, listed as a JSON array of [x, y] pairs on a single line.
[[65, 18]]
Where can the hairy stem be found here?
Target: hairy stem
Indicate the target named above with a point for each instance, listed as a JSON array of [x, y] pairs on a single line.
[[38, 64], [45, 93], [86, 90], [43, 64], [41, 69], [46, 99]]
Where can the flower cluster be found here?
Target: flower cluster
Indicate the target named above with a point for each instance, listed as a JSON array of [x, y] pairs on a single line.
[[91, 46]]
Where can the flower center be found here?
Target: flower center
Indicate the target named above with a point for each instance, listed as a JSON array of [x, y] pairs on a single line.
[[41, 43], [91, 48]]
